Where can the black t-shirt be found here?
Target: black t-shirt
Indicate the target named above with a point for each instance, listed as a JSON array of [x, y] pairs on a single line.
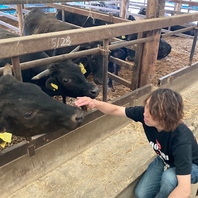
[[177, 148]]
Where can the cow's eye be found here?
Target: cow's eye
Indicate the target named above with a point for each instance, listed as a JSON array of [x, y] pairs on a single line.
[[28, 114], [93, 59], [65, 80]]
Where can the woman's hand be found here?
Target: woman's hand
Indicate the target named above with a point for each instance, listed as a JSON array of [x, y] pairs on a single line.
[[81, 101]]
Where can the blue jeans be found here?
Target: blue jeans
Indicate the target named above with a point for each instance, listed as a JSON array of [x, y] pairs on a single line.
[[158, 183]]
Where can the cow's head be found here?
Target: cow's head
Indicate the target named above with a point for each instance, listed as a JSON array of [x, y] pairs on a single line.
[[66, 78]]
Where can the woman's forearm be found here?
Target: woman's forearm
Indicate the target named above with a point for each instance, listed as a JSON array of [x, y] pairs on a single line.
[[100, 105]]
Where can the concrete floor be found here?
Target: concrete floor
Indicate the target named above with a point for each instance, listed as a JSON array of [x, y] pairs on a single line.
[[103, 170]]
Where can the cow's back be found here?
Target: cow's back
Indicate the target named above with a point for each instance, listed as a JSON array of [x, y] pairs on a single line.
[[37, 22]]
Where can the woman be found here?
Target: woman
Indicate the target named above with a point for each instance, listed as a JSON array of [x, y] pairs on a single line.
[[171, 173]]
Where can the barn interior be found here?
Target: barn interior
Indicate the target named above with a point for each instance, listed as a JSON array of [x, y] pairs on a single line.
[[105, 156]]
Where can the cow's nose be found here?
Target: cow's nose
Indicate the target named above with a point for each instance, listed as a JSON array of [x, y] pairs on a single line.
[[94, 92], [79, 116]]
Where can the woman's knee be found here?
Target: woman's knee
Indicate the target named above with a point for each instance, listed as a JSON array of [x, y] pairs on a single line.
[[140, 193], [169, 178], [194, 174]]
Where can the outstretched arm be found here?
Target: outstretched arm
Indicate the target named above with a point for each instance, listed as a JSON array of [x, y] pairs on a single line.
[[100, 105]]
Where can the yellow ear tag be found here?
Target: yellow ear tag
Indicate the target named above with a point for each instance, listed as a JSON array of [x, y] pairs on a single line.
[[123, 37], [6, 137], [54, 86], [83, 70]]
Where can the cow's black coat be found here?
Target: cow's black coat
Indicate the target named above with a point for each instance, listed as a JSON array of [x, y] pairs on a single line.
[[25, 110]]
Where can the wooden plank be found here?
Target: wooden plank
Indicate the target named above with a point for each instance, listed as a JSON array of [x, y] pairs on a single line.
[[124, 8], [150, 49], [41, 42]]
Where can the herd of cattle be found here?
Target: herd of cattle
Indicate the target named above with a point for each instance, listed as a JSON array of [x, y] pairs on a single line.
[[26, 109]]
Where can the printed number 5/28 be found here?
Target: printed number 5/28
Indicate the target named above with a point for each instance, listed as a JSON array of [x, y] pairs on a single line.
[[60, 42]]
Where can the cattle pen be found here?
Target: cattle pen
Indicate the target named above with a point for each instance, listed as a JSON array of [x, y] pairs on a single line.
[[69, 164]]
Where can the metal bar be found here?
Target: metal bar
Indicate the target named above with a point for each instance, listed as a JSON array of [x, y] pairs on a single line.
[[128, 43], [193, 46], [20, 18], [127, 65], [46, 61], [22, 45], [119, 80], [105, 67], [177, 31], [9, 26], [176, 74], [85, 12], [16, 68], [10, 16], [137, 65], [179, 34]]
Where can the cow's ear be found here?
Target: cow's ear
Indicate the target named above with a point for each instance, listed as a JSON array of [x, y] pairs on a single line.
[[53, 67], [83, 60], [51, 84]]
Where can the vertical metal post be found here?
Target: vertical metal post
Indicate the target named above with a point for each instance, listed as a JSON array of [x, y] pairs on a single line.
[[193, 46], [105, 67], [177, 8], [20, 17], [17, 68], [63, 13]]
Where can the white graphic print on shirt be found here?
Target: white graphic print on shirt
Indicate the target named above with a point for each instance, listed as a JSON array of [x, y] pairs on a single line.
[[157, 148]]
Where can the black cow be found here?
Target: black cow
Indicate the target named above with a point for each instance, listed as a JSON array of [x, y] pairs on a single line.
[[142, 11], [25, 110], [107, 5], [65, 76], [80, 20], [66, 79], [38, 22]]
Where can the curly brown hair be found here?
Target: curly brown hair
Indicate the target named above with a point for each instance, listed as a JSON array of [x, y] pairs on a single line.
[[166, 107]]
